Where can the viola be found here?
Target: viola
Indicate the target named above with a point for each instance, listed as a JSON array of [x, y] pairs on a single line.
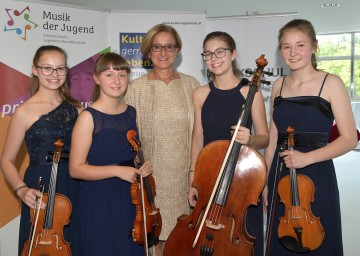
[[46, 236], [299, 230], [148, 221], [229, 178]]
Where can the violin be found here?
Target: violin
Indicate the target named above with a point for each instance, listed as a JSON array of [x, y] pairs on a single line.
[[229, 178], [46, 236], [148, 221], [299, 230]]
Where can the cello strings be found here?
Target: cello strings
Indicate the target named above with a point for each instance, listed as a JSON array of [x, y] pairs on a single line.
[[217, 209]]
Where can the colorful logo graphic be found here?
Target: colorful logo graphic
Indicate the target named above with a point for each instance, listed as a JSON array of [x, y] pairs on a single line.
[[19, 22]]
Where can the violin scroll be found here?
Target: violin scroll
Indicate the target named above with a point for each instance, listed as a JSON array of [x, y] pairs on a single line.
[[59, 144], [290, 130]]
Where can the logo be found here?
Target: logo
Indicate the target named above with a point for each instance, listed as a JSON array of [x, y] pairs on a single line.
[[130, 49], [19, 22]]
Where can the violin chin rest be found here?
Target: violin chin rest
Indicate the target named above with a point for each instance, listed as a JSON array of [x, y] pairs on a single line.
[[292, 244], [152, 240]]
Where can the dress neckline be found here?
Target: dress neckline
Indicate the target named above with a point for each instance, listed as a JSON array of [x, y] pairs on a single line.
[[117, 114], [236, 89], [302, 97]]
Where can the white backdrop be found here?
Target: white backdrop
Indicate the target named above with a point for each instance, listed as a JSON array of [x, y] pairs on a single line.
[[254, 35]]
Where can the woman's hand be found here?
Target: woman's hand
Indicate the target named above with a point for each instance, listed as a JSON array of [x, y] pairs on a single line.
[[29, 196], [295, 159], [243, 135], [145, 169], [128, 173], [192, 196]]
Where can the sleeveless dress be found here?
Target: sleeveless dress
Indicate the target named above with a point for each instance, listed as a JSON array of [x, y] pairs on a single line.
[[220, 111], [312, 118], [39, 139], [106, 209]]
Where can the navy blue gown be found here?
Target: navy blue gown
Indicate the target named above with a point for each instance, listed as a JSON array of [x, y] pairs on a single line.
[[312, 119], [220, 111], [106, 210], [39, 139]]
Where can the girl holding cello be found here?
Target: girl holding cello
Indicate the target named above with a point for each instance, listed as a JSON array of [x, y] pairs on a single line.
[[102, 158], [309, 100], [217, 109], [48, 115]]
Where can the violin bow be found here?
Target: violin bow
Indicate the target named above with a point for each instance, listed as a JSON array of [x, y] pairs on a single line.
[[38, 201], [279, 167]]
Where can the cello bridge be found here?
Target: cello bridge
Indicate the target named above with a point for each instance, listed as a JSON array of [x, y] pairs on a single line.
[[210, 225]]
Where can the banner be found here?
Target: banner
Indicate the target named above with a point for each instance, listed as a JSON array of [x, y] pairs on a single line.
[[127, 30], [25, 26]]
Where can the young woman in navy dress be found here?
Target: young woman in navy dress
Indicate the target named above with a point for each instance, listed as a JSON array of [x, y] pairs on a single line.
[[48, 115], [309, 100], [102, 158], [217, 108]]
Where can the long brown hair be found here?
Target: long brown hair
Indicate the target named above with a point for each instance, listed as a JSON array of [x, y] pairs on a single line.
[[105, 62], [223, 36], [64, 89], [307, 28]]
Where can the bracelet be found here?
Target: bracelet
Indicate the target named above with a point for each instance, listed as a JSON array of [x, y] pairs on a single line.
[[20, 186], [249, 142], [191, 171]]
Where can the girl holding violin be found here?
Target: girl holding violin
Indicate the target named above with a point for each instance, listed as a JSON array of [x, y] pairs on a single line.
[[48, 115], [217, 108], [102, 158], [309, 100]]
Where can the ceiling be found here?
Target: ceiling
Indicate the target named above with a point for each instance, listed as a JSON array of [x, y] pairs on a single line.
[[326, 20]]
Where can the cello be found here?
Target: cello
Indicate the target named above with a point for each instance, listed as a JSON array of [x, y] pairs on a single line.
[[229, 178], [299, 230], [46, 237], [148, 221]]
